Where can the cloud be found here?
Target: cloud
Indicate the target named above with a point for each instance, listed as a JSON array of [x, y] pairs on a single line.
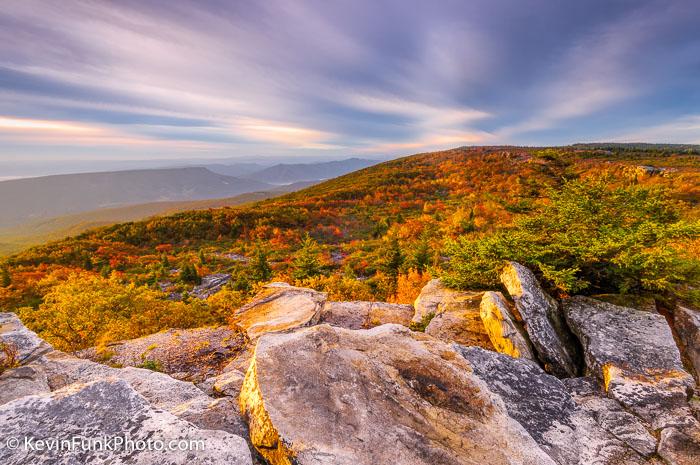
[[683, 130]]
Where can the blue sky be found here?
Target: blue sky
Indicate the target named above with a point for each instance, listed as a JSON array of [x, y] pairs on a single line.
[[206, 79]]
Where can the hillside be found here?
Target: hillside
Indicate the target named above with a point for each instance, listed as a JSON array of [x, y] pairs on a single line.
[[14, 239], [50, 196]]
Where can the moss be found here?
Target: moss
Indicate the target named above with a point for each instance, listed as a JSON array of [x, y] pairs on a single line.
[[424, 322]]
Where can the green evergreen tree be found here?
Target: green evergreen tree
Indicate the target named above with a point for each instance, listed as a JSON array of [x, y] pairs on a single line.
[[394, 257], [165, 263], [5, 278], [260, 268], [87, 263], [420, 258], [202, 258], [306, 262], [189, 274]]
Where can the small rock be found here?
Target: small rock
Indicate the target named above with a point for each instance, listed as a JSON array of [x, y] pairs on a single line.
[[229, 383], [458, 320], [210, 285]]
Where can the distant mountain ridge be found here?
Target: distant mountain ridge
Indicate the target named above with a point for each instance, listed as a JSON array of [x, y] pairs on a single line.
[[285, 173], [49, 196]]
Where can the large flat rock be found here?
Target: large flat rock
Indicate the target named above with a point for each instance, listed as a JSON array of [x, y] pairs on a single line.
[[544, 323], [635, 356], [387, 395], [110, 408], [279, 307]]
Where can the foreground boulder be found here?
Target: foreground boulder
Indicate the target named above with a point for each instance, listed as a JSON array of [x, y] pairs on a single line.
[[504, 331], [365, 315], [186, 354], [19, 345], [633, 353], [117, 412], [332, 396], [279, 307], [544, 324], [542, 404]]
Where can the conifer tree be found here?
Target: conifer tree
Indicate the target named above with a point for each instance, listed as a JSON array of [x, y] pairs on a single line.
[[5, 278], [260, 268], [306, 261], [394, 257]]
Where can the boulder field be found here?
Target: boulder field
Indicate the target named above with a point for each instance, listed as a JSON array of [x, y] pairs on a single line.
[[458, 378]]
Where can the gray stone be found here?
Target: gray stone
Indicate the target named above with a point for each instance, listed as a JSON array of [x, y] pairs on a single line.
[[634, 355], [542, 404], [25, 344], [458, 319], [543, 322], [506, 334], [210, 285], [229, 383], [109, 408], [20, 382]]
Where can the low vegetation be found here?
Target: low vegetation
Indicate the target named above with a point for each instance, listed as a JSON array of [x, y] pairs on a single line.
[[588, 219]]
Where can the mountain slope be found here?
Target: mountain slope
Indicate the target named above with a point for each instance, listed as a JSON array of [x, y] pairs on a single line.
[[49, 196], [289, 173]]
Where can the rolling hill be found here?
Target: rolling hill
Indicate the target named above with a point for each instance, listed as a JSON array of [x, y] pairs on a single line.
[[288, 173], [50, 196]]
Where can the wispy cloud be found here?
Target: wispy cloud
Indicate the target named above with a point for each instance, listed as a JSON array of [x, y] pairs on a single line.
[[339, 77]]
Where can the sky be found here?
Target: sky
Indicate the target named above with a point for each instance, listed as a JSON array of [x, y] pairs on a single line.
[[176, 79]]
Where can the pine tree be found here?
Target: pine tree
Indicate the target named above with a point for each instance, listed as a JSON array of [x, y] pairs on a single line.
[[394, 257], [189, 274], [420, 258], [165, 262], [87, 263], [260, 268], [306, 261], [202, 258], [5, 278]]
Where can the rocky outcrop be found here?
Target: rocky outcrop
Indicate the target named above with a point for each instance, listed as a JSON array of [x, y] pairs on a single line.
[[186, 354], [686, 322], [116, 413], [23, 344], [279, 307], [328, 395], [504, 331], [633, 353], [544, 324], [543, 405], [431, 296], [22, 381], [210, 285], [365, 315]]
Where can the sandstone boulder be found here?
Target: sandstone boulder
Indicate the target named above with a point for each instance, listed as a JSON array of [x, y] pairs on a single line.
[[686, 322], [364, 315], [279, 307], [23, 344], [504, 331], [634, 355], [431, 296], [387, 395], [186, 354], [115, 410], [459, 320], [542, 404], [548, 333]]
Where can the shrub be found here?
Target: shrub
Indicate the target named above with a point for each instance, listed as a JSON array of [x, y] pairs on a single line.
[[588, 237]]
